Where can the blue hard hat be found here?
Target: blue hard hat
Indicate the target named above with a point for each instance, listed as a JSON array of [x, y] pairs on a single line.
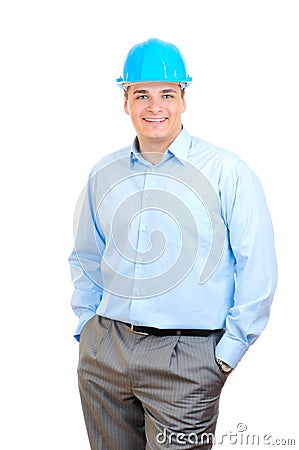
[[154, 60]]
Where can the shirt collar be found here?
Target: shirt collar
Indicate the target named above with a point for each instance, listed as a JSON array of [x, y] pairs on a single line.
[[179, 148]]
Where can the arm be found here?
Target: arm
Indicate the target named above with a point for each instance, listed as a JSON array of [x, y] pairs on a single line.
[[85, 259], [252, 244]]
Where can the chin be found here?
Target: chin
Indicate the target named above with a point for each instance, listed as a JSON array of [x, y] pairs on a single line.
[[157, 134]]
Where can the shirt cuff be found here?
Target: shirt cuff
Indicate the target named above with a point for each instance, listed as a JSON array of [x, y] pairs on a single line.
[[82, 321], [230, 350]]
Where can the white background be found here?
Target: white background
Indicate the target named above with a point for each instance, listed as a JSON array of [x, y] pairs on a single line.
[[61, 111]]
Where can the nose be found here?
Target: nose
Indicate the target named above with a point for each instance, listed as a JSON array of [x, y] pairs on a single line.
[[154, 105]]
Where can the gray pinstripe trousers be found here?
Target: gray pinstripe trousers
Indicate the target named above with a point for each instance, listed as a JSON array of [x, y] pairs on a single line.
[[147, 392]]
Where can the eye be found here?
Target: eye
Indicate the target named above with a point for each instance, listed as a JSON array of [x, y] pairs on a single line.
[[142, 97], [167, 96]]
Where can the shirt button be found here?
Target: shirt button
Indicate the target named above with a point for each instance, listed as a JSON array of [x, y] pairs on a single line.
[[138, 292], [144, 228]]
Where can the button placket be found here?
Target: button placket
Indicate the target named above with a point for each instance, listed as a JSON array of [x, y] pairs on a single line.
[[142, 241]]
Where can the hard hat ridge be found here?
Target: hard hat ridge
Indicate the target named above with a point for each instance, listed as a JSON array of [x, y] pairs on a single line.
[[154, 60]]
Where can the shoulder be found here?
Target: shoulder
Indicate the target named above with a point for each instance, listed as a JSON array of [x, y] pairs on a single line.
[[216, 162], [224, 169], [111, 159], [211, 152]]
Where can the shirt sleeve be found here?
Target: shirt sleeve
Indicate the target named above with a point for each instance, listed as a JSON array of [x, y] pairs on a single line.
[[252, 244], [85, 259]]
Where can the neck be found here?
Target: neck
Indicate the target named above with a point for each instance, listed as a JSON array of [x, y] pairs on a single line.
[[153, 149], [152, 152]]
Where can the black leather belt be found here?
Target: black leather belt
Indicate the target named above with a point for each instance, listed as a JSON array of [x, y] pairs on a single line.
[[147, 331]]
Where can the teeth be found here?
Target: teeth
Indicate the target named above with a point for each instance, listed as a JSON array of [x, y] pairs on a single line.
[[155, 120]]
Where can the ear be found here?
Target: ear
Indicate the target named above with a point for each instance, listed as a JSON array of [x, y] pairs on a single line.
[[183, 105], [126, 107]]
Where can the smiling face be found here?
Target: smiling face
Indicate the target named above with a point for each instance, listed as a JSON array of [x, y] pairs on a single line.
[[155, 110]]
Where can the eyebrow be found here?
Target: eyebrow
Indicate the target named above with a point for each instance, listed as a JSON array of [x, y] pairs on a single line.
[[163, 91]]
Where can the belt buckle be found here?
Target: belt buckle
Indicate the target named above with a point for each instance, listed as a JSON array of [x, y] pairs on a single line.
[[138, 332]]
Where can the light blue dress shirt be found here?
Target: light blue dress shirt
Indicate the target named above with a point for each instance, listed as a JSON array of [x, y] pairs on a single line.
[[186, 243]]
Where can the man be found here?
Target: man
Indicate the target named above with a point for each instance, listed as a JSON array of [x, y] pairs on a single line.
[[174, 270]]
